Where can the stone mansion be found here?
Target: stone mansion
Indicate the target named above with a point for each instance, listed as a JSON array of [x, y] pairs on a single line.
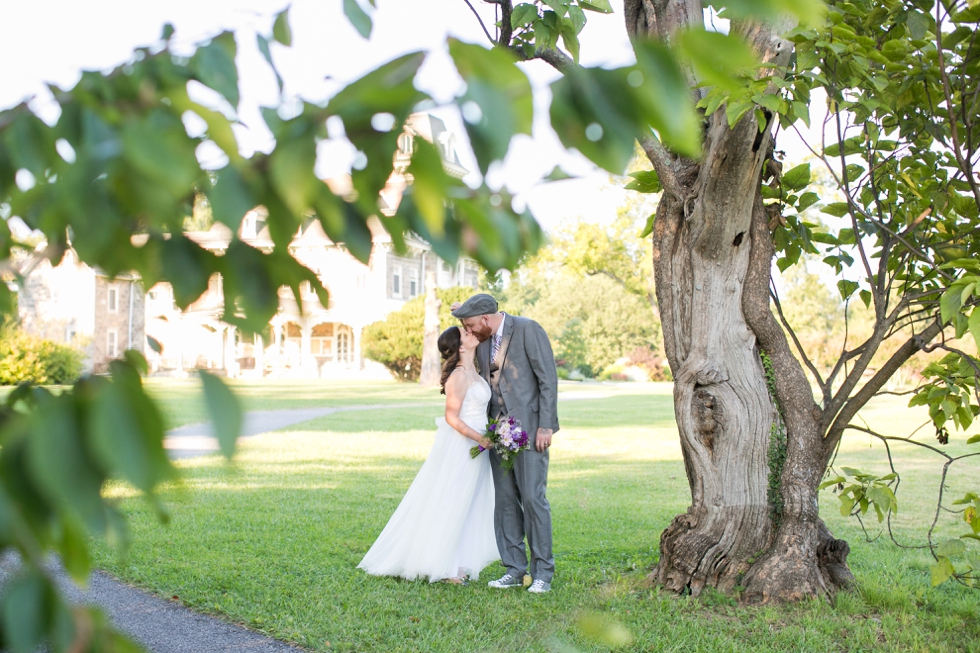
[[74, 303]]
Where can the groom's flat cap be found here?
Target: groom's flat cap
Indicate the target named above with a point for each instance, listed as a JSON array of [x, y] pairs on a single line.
[[482, 304]]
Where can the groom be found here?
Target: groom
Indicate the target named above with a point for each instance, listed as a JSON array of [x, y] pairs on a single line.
[[514, 356]]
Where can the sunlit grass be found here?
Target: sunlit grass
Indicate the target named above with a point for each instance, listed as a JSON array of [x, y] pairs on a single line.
[[272, 540]]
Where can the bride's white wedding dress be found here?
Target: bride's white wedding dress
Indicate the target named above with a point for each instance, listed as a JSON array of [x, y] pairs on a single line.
[[443, 528]]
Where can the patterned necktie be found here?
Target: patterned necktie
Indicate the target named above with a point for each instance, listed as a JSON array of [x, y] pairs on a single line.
[[496, 348]]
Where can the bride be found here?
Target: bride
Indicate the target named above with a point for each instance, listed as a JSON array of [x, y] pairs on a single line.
[[443, 528]]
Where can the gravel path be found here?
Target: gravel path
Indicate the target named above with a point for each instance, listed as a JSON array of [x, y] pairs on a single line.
[[198, 439]]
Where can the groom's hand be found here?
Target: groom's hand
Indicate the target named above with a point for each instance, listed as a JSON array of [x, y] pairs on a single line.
[[543, 439]]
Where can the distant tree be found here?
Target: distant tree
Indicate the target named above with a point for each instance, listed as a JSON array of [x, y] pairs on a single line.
[[592, 320], [396, 341], [616, 250]]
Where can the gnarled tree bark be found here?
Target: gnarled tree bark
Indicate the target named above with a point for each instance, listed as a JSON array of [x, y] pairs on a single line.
[[712, 254]]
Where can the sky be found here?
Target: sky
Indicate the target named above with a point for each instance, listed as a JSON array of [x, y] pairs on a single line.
[[51, 41]]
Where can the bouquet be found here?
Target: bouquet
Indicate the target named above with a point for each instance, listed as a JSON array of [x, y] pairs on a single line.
[[508, 439]]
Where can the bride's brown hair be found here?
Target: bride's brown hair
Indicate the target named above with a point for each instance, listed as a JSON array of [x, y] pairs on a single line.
[[449, 341]]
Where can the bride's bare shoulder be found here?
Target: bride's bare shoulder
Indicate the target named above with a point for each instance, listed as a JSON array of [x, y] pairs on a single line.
[[457, 378]]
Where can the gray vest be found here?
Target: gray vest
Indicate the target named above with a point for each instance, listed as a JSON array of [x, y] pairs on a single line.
[[497, 407]]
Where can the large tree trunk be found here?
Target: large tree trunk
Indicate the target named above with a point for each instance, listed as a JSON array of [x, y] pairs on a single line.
[[712, 254]]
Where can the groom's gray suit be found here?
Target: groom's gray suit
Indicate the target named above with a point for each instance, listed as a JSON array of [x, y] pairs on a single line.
[[524, 384]]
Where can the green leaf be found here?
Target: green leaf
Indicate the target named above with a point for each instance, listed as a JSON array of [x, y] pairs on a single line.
[[734, 111], [809, 12], [974, 325], [225, 412], [184, 263], [127, 430], [523, 14], [214, 66], [29, 143], [230, 197], [557, 174], [866, 298], [23, 609], [644, 181], [949, 303], [918, 24], [665, 100], [430, 186], [557, 6], [941, 571], [718, 59], [973, 439], [292, 167], [577, 17], [387, 89], [137, 360], [846, 287], [648, 227], [60, 463], [593, 110], [600, 6], [157, 146], [280, 28], [543, 35], [797, 178], [73, 548], [837, 209], [831, 482], [358, 18], [570, 39], [154, 344], [501, 91], [263, 44], [806, 200]]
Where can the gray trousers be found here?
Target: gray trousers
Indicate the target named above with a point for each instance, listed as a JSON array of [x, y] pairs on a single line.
[[522, 509]]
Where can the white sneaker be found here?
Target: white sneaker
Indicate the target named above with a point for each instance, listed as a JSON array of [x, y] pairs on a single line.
[[506, 581], [539, 587]]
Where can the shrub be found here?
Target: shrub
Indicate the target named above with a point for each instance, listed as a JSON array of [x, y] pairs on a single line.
[[396, 342], [614, 372], [653, 363], [27, 358]]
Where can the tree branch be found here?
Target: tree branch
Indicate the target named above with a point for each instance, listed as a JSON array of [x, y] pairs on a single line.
[[824, 387], [506, 29], [480, 20], [850, 408], [660, 159], [558, 59]]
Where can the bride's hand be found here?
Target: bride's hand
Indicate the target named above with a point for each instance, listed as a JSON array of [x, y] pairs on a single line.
[[485, 442]]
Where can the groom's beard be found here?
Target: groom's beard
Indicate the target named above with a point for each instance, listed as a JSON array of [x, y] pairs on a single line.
[[482, 333]]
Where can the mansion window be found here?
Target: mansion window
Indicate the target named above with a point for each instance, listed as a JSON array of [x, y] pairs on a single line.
[[343, 347], [413, 282], [396, 281], [112, 343], [321, 341], [113, 299]]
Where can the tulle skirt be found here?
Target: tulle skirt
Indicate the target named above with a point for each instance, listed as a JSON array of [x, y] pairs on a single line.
[[443, 527]]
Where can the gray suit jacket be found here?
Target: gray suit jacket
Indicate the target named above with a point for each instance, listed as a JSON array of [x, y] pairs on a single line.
[[528, 380]]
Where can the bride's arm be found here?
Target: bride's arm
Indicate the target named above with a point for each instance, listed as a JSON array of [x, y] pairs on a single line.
[[456, 388]]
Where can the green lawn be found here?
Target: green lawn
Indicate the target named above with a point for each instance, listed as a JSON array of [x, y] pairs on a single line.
[[272, 540]]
